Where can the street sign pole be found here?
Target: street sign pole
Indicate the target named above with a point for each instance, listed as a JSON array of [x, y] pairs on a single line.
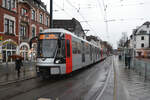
[[51, 14]]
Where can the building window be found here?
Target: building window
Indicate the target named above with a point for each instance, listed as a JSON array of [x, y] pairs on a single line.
[[143, 32], [9, 4], [24, 12], [5, 3], [24, 52], [9, 26], [33, 31], [142, 38], [6, 26], [142, 45], [41, 18], [41, 29], [47, 21], [33, 15], [134, 45], [23, 30]]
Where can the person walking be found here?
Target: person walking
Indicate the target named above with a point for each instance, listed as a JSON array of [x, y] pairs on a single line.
[[18, 66], [129, 61], [126, 60]]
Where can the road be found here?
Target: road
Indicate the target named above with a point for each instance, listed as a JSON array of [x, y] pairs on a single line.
[[83, 84]]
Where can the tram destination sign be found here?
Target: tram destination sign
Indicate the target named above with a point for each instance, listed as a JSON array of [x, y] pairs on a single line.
[[48, 36]]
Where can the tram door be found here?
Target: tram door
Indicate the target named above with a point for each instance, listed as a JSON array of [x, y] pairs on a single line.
[[83, 51]]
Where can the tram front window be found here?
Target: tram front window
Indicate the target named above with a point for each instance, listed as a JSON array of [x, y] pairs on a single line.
[[47, 48], [51, 48]]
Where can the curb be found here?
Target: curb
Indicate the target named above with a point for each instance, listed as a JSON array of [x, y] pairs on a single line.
[[15, 81]]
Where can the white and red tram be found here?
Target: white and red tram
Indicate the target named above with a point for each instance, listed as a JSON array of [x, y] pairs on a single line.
[[61, 52]]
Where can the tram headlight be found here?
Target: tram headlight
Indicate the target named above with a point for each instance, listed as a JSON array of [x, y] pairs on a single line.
[[58, 61]]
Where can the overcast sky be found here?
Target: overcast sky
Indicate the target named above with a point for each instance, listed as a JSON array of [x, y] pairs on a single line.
[[122, 15]]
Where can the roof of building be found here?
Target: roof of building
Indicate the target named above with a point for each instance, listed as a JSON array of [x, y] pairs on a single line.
[[71, 25], [39, 2], [136, 30], [68, 24], [91, 37], [147, 23]]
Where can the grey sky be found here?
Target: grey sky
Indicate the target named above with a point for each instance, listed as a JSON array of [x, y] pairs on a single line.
[[123, 15]]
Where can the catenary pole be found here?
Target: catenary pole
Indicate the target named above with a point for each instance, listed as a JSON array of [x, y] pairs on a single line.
[[51, 14]]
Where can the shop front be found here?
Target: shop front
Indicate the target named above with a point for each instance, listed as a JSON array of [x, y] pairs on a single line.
[[8, 48]]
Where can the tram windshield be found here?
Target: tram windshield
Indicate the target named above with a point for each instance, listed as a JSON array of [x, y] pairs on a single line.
[[47, 48]]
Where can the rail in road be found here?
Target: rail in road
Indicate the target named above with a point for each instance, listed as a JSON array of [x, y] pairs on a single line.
[[92, 83], [100, 93]]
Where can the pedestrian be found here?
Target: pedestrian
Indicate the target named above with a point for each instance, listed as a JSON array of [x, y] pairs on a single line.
[[18, 66], [119, 56], [129, 60], [126, 61]]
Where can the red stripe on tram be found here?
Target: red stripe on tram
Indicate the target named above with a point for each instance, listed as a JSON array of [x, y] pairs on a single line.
[[68, 58]]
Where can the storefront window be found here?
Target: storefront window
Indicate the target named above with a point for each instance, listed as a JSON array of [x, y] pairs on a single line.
[[8, 49], [24, 52]]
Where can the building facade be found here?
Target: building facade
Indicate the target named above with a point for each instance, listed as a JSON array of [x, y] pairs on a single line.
[[140, 39], [20, 20]]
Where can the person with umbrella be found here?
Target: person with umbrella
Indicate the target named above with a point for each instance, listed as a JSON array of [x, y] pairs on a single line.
[[18, 66], [18, 62]]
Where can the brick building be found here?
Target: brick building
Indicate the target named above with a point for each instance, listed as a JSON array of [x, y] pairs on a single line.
[[20, 20]]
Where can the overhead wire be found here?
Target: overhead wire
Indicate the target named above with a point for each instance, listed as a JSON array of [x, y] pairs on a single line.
[[62, 9], [82, 17]]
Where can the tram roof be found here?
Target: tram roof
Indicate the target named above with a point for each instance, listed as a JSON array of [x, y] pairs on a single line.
[[61, 30]]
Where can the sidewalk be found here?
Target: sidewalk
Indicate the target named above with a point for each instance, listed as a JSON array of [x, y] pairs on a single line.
[[134, 85], [8, 73]]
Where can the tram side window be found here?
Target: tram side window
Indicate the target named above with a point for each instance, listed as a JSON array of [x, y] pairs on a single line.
[[68, 48]]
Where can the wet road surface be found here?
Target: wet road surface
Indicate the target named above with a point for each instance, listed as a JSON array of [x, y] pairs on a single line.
[[85, 84], [137, 87]]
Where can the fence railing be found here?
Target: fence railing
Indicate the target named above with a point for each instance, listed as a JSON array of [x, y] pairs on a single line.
[[142, 66]]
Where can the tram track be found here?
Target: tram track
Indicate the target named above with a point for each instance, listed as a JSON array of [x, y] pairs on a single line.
[[100, 92], [53, 85]]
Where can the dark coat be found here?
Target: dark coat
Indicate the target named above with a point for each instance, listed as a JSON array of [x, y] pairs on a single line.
[[18, 64]]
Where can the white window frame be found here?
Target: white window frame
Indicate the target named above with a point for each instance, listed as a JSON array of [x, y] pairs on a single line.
[[40, 29], [33, 17], [11, 18], [33, 26], [23, 30], [9, 4], [41, 18], [47, 21], [23, 11]]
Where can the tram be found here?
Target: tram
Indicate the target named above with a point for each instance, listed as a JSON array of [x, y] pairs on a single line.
[[61, 52]]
